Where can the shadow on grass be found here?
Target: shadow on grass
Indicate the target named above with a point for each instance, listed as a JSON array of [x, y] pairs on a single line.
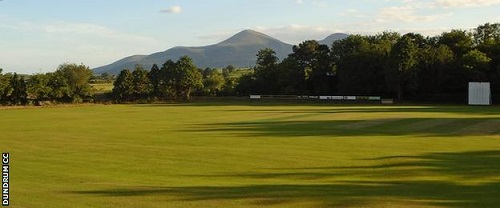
[[454, 191], [469, 110], [341, 108], [422, 127]]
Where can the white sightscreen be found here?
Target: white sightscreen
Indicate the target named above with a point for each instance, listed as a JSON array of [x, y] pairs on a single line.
[[479, 93]]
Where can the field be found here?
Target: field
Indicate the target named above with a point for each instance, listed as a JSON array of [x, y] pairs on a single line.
[[102, 87], [253, 155]]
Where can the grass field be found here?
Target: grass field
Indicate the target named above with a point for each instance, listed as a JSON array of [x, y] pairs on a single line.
[[214, 155], [103, 87]]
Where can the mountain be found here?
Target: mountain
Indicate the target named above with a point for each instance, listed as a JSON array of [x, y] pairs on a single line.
[[239, 50], [334, 37]]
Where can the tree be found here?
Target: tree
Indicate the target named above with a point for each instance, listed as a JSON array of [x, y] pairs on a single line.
[[362, 72], [459, 41], [107, 77], [487, 34], [317, 66], [60, 90], [18, 96], [266, 59], [477, 63], [142, 86], [225, 73], [404, 55], [77, 78], [229, 87], [266, 72], [180, 78], [361, 63], [4, 87], [349, 45], [246, 85], [168, 79], [435, 66], [123, 89], [38, 87], [155, 79], [188, 78], [213, 83]]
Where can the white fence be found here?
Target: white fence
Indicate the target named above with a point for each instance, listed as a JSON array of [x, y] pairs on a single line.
[[325, 98]]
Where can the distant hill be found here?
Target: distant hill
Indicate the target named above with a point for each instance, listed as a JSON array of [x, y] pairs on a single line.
[[334, 37], [239, 50]]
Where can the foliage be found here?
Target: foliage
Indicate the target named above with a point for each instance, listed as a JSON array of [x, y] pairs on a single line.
[[69, 83], [388, 64], [123, 89], [174, 80], [77, 78], [405, 67], [38, 87], [18, 94], [213, 82], [142, 86]]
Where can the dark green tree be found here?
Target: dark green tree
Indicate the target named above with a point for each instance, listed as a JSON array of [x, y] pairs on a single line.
[[156, 80], [123, 89], [213, 83], [435, 67], [477, 64], [266, 72], [77, 78], [401, 76], [459, 41], [142, 86], [19, 95], [188, 78], [487, 34], [168, 80], [107, 77], [4, 86], [38, 87], [59, 88]]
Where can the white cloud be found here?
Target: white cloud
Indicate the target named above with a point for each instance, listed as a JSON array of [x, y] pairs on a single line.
[[47, 44], [172, 10], [465, 3], [406, 14], [94, 30], [316, 3]]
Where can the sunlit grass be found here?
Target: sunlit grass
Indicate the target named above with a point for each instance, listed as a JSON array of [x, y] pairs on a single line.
[[103, 87], [212, 155]]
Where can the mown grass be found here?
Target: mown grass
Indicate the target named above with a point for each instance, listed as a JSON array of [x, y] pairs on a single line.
[[251, 155], [103, 87]]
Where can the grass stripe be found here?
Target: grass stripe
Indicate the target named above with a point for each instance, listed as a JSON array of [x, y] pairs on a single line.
[[368, 123], [482, 128]]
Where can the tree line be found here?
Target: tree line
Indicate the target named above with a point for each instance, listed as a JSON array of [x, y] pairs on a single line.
[[176, 81], [388, 64], [404, 67], [69, 83], [391, 65]]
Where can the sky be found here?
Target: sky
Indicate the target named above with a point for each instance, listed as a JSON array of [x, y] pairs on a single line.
[[36, 36]]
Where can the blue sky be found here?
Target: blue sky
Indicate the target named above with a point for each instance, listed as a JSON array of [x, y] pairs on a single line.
[[38, 35]]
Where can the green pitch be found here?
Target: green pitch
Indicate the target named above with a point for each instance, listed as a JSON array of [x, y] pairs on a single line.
[[241, 155]]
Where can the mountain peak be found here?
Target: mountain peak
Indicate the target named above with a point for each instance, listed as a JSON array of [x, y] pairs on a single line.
[[238, 50], [332, 38], [249, 37]]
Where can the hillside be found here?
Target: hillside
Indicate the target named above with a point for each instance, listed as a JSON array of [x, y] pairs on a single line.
[[334, 37], [239, 50]]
